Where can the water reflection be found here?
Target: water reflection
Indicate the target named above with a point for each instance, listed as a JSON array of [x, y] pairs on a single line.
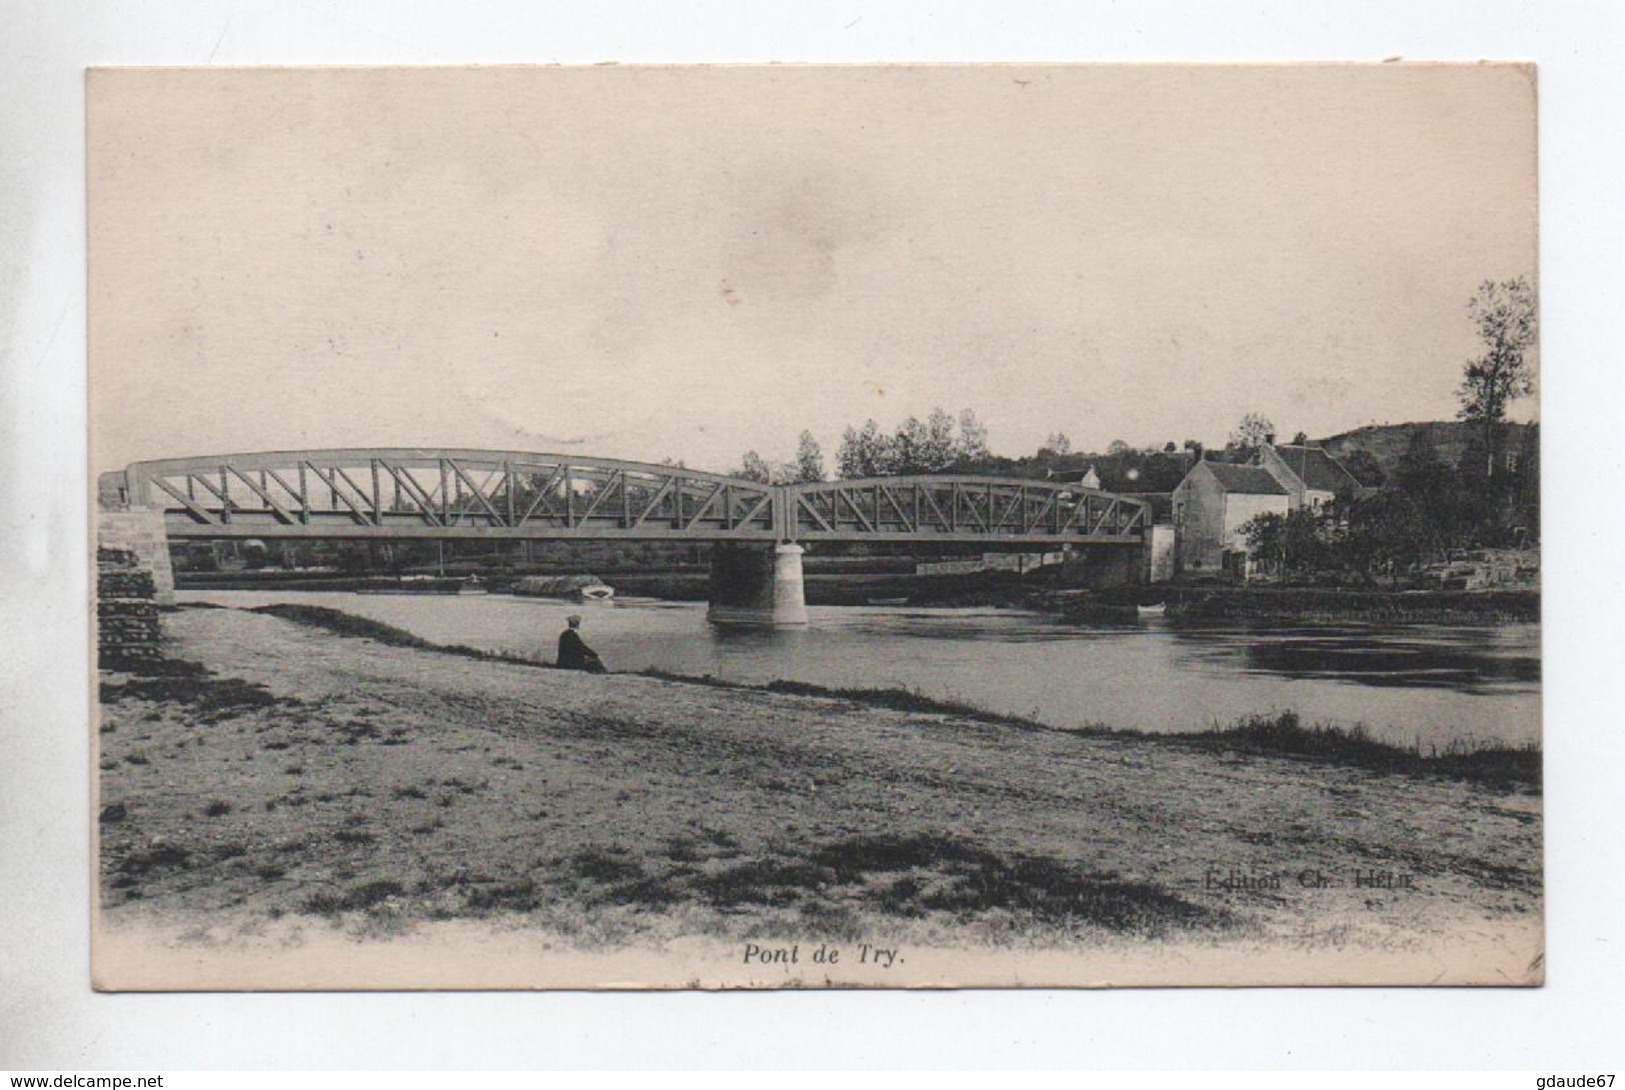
[[1467, 660]]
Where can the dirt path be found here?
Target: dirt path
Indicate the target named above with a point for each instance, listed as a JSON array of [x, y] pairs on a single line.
[[321, 778]]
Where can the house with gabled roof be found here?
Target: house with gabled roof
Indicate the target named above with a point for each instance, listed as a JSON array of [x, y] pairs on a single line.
[[1310, 475], [1216, 499], [1212, 504]]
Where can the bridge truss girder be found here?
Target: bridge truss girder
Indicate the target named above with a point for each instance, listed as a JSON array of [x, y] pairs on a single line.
[[961, 508], [447, 495], [495, 495]]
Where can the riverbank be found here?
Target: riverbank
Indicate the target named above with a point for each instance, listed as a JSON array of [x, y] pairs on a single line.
[[1039, 591], [821, 588], [1305, 605], [295, 781]]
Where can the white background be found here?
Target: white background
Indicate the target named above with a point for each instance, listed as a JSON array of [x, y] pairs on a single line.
[[50, 1019]]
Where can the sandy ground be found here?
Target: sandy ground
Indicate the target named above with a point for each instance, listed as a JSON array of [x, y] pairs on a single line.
[[313, 788]]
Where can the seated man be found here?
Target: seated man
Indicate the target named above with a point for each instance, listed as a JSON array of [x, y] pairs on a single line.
[[574, 654]]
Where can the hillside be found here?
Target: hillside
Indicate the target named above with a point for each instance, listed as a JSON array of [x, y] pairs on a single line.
[[1386, 443]]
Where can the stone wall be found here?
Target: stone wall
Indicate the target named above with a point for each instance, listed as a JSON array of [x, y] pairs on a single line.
[[141, 532], [127, 629]]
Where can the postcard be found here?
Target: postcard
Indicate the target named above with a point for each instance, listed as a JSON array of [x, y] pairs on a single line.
[[775, 526]]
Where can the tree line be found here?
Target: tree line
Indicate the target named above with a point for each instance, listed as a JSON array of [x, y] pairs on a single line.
[[1424, 509], [939, 443], [1431, 510]]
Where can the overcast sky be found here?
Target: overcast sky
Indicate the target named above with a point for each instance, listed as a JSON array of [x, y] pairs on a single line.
[[689, 263]]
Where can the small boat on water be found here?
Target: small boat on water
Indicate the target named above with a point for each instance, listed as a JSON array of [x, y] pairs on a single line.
[[581, 588], [421, 584], [1152, 611], [888, 601], [473, 585]]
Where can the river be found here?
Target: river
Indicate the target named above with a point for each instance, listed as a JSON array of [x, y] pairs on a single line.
[[1405, 683]]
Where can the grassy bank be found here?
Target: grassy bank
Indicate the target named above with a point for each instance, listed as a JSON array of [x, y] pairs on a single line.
[[340, 623], [299, 774], [1283, 734]]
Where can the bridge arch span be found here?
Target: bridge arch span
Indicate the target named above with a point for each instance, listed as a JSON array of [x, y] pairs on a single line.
[[444, 493], [961, 508]]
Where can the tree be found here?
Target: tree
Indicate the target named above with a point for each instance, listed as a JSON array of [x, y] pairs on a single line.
[[1057, 445], [1420, 465], [1265, 535], [1365, 467], [972, 446], [1443, 510], [1504, 314], [1117, 447], [1169, 447], [809, 459], [1526, 489], [1307, 540], [848, 456], [865, 453], [755, 468], [938, 449], [908, 447], [1296, 541], [1301, 439], [1253, 432], [1385, 531]]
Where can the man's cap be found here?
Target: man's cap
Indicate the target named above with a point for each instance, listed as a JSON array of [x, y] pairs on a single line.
[[574, 618]]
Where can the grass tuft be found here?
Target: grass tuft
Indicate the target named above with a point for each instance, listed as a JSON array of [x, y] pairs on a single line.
[[191, 686], [360, 898], [1492, 763], [348, 624]]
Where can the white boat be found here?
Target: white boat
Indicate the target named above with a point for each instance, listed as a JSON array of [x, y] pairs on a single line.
[[583, 588], [473, 585], [1152, 611]]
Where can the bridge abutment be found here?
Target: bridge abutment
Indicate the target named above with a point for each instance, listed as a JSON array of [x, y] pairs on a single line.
[[140, 531], [756, 585]]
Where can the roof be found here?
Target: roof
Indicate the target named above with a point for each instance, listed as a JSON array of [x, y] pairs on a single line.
[[1317, 469], [1254, 480]]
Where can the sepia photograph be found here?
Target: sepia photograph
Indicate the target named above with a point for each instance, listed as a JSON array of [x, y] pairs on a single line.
[[799, 526]]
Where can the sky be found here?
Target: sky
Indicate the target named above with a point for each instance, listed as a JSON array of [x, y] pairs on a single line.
[[688, 263]]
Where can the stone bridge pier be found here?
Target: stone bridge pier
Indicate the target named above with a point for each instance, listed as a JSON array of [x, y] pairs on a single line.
[[135, 529], [757, 585]]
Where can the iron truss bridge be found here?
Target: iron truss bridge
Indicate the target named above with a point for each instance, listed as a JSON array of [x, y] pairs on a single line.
[[476, 494]]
